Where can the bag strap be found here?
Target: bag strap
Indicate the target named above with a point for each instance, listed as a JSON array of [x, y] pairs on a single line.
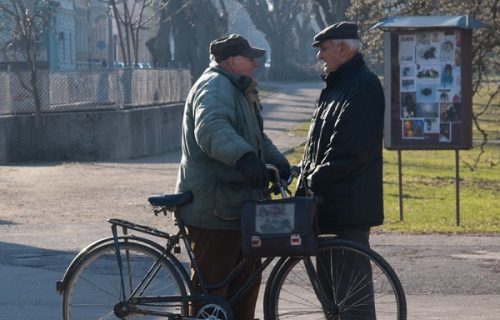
[[302, 182]]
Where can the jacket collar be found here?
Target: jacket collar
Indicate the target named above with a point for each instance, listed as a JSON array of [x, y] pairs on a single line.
[[356, 62], [243, 83]]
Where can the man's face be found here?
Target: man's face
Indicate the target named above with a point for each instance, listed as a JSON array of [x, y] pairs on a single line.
[[331, 54], [243, 66]]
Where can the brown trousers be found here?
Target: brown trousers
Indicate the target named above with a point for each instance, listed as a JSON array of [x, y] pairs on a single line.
[[218, 252]]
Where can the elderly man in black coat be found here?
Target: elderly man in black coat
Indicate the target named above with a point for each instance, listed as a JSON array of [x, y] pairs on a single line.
[[342, 161]]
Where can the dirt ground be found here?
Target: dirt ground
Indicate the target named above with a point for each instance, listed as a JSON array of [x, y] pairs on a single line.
[[49, 211], [64, 196]]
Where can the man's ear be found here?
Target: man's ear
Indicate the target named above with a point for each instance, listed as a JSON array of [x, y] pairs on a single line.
[[232, 62], [344, 49]]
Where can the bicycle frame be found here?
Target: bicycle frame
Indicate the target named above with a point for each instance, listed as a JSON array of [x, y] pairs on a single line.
[[172, 241], [132, 303]]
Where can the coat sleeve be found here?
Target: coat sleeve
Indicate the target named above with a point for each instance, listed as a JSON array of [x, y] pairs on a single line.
[[272, 154], [214, 124], [356, 137]]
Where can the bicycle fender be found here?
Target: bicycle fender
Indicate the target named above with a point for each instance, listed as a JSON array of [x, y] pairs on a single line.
[[62, 284]]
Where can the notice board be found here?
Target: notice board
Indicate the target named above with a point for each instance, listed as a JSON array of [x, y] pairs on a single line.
[[428, 88]]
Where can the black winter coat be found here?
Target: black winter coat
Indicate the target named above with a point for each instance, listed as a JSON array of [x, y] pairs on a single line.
[[342, 159]]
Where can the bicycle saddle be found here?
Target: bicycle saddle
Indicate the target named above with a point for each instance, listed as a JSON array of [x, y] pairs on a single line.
[[171, 200]]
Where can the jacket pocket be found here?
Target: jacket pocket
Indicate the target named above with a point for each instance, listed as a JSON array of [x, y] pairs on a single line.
[[229, 197]]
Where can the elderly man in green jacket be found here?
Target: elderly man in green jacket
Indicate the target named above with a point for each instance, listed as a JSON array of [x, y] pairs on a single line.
[[224, 152]]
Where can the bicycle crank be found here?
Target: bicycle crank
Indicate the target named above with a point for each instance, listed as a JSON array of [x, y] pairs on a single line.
[[212, 311]]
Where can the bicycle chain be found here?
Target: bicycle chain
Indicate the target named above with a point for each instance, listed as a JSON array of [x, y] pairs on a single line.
[[162, 305]]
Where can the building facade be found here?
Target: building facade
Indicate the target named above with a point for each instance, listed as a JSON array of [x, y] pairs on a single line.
[[93, 30], [62, 39], [78, 38]]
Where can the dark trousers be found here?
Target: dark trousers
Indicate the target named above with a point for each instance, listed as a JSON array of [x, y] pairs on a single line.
[[350, 276], [218, 252]]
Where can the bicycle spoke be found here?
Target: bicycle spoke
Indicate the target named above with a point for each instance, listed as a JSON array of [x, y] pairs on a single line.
[[353, 282], [98, 287], [94, 291]]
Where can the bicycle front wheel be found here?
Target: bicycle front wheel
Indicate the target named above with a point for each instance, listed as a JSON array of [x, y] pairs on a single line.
[[96, 290], [344, 281]]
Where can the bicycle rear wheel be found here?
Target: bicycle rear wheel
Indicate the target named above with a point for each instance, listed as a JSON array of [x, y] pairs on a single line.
[[94, 289], [344, 281]]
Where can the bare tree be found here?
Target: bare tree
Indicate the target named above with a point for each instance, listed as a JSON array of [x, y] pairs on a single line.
[[191, 25], [327, 12], [282, 22], [486, 44], [131, 17], [28, 23]]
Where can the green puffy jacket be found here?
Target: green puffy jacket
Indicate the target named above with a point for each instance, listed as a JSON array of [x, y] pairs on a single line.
[[219, 127]]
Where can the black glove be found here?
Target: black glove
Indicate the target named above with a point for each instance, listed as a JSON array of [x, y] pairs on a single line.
[[253, 170], [295, 171], [284, 170]]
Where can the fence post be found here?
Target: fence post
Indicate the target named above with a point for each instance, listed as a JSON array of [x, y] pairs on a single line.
[[400, 178], [457, 185]]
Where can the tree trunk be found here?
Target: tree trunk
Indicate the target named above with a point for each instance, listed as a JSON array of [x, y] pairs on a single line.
[[193, 26], [159, 46], [279, 26], [116, 14], [280, 68], [36, 98]]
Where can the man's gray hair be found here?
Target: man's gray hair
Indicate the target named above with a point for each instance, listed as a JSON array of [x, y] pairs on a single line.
[[213, 63], [353, 44]]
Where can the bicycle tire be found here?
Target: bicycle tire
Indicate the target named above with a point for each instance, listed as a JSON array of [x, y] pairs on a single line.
[[94, 286], [295, 291]]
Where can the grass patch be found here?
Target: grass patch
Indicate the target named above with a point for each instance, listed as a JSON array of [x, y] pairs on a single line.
[[265, 90], [301, 130], [429, 192], [489, 121], [429, 201]]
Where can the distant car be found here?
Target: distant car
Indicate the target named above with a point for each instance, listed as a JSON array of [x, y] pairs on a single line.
[[118, 64], [144, 65], [140, 65]]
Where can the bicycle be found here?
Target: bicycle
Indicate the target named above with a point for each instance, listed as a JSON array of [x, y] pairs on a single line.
[[128, 276]]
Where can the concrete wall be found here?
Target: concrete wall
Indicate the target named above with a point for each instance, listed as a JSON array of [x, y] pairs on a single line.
[[97, 135]]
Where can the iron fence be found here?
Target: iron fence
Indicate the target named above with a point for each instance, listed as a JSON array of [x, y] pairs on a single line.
[[92, 90]]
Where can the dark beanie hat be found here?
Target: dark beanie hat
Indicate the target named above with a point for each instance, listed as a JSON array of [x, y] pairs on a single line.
[[339, 30]]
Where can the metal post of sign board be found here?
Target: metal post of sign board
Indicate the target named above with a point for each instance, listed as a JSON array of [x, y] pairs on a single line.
[[400, 174], [457, 185]]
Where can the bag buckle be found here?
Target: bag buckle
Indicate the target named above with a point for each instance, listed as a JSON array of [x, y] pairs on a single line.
[[256, 243], [295, 239]]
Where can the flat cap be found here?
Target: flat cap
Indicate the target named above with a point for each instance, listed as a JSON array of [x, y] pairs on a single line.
[[234, 45], [339, 30]]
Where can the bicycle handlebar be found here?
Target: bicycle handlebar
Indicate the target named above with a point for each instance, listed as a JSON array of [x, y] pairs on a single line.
[[280, 184], [294, 173]]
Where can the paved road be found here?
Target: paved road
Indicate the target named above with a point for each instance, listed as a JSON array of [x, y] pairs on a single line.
[[49, 211]]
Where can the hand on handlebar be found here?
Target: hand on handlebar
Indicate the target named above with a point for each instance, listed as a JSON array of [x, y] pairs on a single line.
[[253, 170], [284, 170]]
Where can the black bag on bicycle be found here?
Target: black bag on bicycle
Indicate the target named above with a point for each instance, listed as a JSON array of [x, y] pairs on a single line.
[[285, 227]]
